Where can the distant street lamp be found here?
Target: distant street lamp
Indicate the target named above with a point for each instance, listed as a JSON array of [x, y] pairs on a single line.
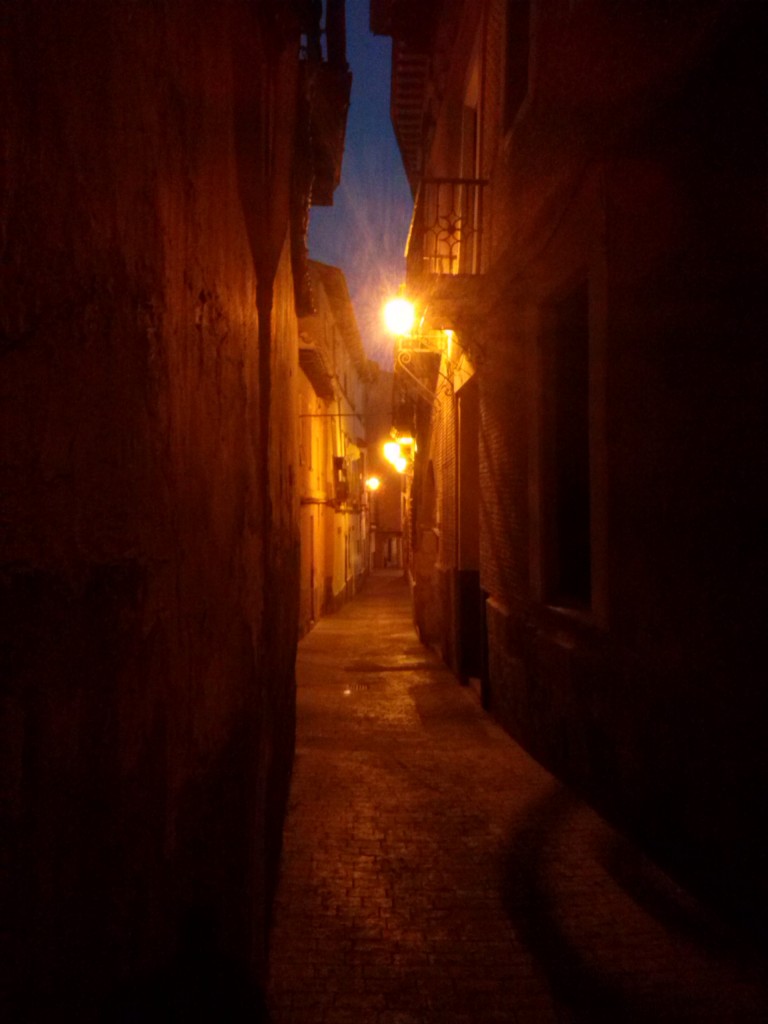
[[372, 483]]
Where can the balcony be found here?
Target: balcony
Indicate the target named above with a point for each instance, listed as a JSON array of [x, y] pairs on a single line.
[[446, 235], [315, 365]]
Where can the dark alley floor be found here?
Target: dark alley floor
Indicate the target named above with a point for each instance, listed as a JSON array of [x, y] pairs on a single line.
[[433, 872]]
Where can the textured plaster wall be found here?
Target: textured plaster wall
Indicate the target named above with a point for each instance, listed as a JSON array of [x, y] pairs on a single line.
[[148, 548]]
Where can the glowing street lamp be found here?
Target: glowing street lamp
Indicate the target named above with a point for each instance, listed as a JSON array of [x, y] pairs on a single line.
[[392, 451], [372, 483], [399, 316]]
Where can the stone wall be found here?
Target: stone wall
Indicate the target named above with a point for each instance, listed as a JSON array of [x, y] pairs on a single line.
[[149, 548]]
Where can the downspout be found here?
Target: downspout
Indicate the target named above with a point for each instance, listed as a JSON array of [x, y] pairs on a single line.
[[336, 33], [481, 111], [264, 303]]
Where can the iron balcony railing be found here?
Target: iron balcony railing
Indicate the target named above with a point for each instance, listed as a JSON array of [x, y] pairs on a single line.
[[446, 234]]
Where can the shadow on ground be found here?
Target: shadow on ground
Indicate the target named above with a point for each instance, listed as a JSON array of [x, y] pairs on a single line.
[[597, 981]]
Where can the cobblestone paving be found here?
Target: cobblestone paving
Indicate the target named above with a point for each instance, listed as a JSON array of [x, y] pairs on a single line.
[[433, 872]]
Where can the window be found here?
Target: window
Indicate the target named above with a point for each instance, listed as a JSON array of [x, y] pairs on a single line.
[[340, 481], [305, 434]]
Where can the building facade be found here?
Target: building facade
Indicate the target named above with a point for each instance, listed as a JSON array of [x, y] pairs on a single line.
[[587, 390], [333, 385], [161, 159]]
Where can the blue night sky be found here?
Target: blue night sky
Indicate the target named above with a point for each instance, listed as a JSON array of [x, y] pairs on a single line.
[[364, 232]]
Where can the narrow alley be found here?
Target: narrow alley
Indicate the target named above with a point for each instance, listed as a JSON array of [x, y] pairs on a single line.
[[222, 457], [432, 871]]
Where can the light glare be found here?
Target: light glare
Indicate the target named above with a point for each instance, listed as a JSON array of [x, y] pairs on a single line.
[[392, 451], [399, 316]]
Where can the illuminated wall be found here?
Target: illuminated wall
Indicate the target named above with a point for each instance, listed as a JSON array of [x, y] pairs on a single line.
[[332, 423]]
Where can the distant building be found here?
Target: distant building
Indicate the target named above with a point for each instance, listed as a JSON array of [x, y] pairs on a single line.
[[587, 389], [387, 502], [335, 375]]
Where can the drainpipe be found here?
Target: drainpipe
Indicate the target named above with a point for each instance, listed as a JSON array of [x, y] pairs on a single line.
[[336, 33]]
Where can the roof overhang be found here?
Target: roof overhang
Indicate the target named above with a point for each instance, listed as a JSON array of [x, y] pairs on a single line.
[[314, 366]]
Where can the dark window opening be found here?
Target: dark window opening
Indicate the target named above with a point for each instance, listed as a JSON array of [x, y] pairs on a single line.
[[340, 481]]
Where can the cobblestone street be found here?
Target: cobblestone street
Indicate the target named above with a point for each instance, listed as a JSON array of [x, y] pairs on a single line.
[[433, 872]]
